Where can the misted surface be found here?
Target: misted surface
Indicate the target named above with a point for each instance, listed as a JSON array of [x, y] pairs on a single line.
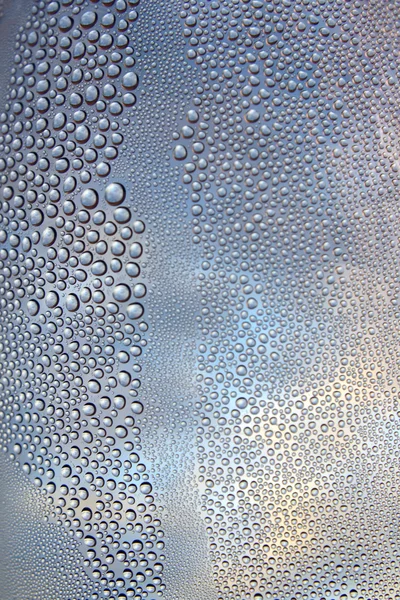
[[199, 299]]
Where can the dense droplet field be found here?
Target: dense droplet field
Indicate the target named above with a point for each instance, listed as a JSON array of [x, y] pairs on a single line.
[[199, 299]]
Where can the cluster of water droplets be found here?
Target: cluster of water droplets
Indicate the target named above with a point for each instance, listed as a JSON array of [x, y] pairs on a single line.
[[199, 294], [73, 319], [290, 157]]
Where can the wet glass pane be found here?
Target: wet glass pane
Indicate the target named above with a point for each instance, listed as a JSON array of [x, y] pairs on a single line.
[[199, 299]]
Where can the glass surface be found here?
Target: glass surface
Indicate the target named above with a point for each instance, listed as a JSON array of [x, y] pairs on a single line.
[[199, 299]]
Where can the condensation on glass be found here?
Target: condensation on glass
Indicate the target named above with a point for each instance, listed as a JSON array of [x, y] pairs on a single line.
[[199, 299]]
